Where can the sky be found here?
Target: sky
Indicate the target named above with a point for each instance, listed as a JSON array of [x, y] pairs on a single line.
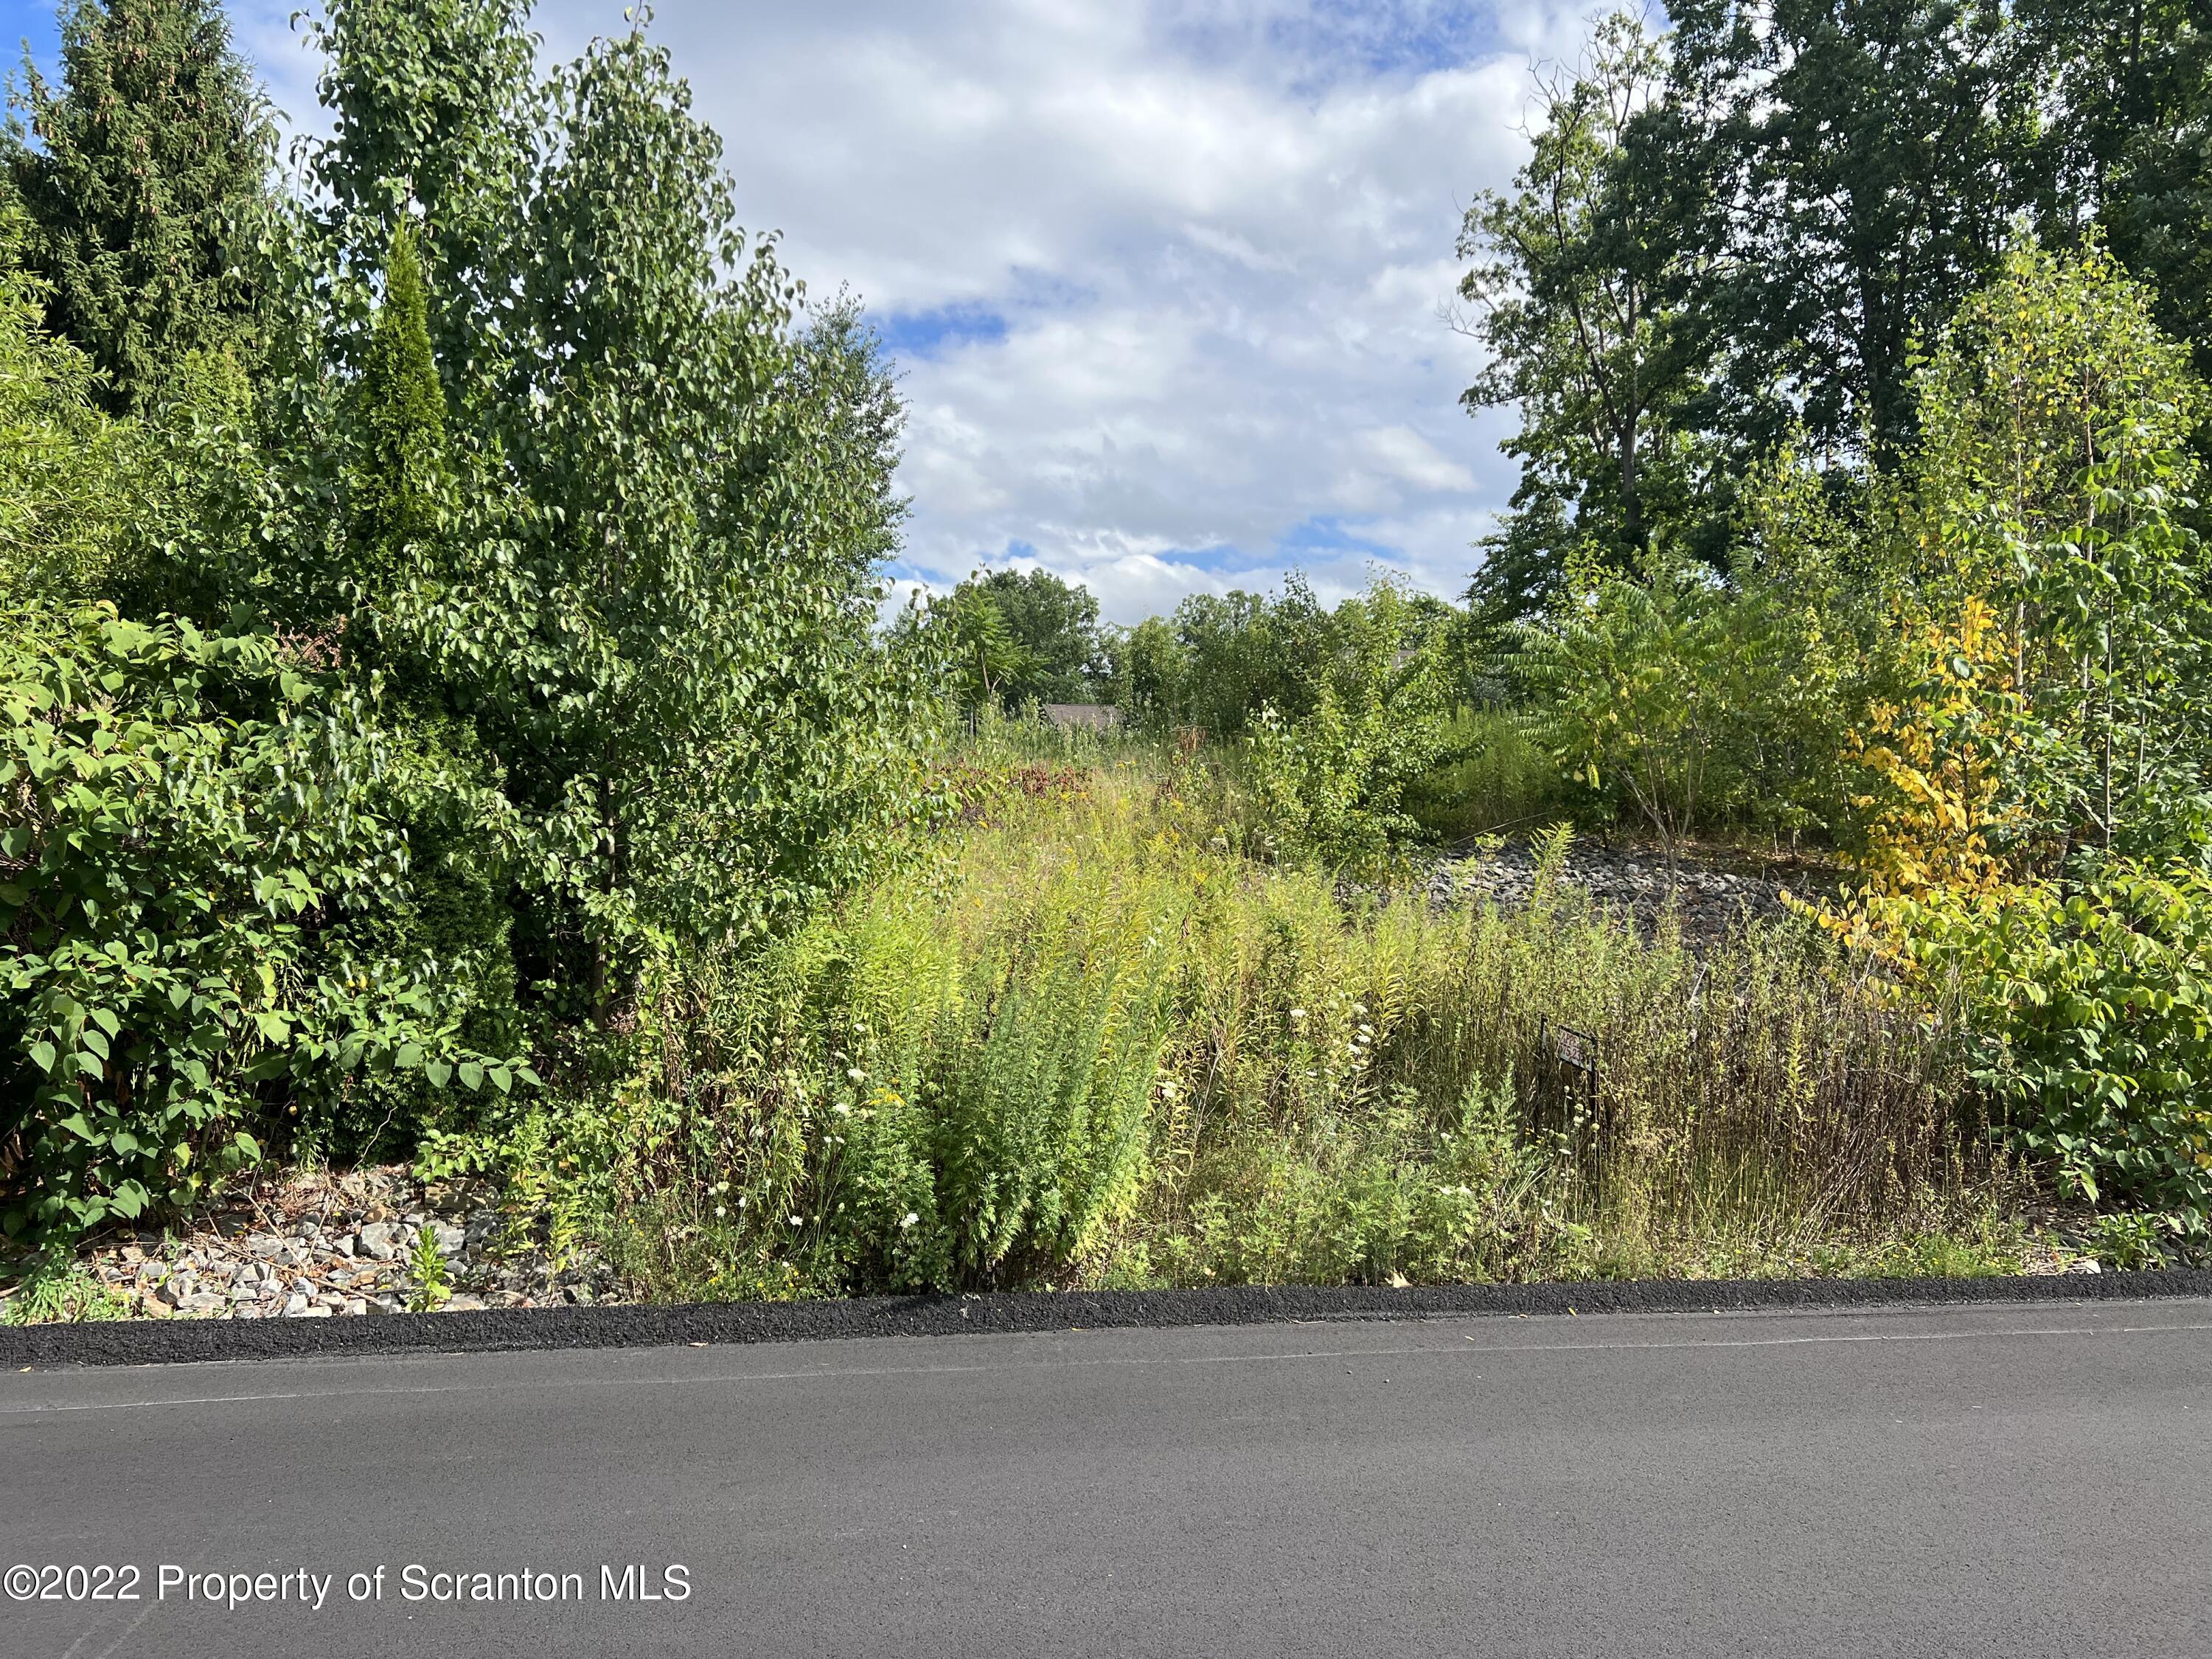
[[1164, 279]]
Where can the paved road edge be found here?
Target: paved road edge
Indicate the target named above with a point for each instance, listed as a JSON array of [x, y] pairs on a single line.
[[148, 1342]]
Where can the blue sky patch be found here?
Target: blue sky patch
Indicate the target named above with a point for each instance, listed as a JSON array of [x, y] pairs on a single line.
[[928, 333]]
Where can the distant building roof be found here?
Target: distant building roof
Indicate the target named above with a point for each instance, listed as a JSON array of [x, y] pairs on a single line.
[[1098, 716]]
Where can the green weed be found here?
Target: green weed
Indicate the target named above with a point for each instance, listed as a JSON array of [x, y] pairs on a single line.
[[428, 1288], [57, 1289]]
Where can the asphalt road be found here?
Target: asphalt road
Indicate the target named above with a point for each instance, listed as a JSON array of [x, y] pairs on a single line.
[[2012, 1481]]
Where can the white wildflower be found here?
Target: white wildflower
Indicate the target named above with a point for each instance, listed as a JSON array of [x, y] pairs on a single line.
[[911, 1218]]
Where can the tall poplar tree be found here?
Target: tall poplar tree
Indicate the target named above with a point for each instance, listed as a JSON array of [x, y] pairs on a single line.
[[139, 171]]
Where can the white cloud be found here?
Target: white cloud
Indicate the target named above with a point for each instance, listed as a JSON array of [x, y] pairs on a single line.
[[1198, 249]]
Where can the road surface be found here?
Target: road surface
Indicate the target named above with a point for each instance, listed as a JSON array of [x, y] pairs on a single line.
[[2013, 1481]]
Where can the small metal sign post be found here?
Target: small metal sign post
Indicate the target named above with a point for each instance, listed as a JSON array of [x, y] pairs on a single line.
[[1568, 1104]]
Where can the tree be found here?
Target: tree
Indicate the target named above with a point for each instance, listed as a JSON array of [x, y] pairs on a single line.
[[2130, 155], [1245, 651], [839, 371], [434, 113], [149, 163], [652, 596], [1571, 282], [1856, 170], [2052, 488], [1333, 773], [1632, 674], [1149, 672], [987, 664], [67, 477], [1051, 627]]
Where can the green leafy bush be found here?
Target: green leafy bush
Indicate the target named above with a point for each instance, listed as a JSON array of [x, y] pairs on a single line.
[[1333, 779], [2092, 1001], [1693, 703], [642, 573], [2056, 488], [192, 829], [1493, 778]]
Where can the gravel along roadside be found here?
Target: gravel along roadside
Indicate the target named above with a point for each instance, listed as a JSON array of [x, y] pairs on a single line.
[[332, 1246]]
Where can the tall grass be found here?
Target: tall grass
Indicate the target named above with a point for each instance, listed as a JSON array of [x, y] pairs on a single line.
[[1085, 1041]]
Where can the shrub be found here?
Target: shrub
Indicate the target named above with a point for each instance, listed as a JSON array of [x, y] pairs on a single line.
[[1631, 676], [2092, 998], [1332, 781], [1493, 778], [69, 483], [1693, 702], [191, 831]]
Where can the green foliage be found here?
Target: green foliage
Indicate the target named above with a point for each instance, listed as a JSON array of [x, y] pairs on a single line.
[[57, 1289], [398, 481], [1494, 778], [1695, 702], [142, 174], [428, 1289], [67, 479], [2056, 487], [1026, 636], [1223, 657], [2134, 1242], [432, 109], [1332, 782], [563, 512], [986, 666], [1416, 1196], [1628, 677], [1571, 282], [192, 831], [648, 595], [2094, 1001], [1014, 1129], [1888, 146], [2134, 78]]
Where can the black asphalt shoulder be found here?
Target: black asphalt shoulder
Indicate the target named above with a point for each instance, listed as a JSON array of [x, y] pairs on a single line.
[[175, 1341]]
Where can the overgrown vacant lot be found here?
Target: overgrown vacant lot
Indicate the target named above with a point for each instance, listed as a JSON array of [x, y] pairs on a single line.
[[1084, 1040], [453, 735]]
